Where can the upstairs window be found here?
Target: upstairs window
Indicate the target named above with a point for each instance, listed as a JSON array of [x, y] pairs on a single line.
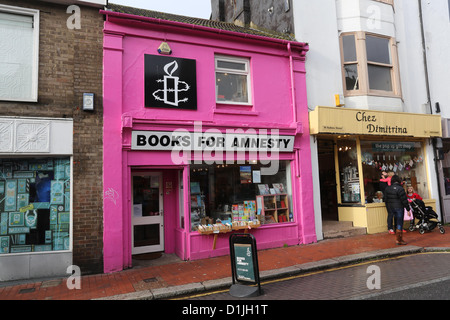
[[379, 63], [369, 65], [232, 80], [19, 52]]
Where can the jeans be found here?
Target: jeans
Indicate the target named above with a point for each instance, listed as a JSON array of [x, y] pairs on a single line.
[[389, 218], [398, 214]]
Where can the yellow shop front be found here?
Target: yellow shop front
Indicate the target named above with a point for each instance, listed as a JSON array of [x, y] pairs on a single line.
[[355, 146]]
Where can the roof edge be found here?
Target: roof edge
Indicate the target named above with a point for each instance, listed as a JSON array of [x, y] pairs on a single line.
[[304, 46]]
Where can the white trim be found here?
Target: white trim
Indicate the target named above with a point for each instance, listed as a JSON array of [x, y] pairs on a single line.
[[56, 137], [36, 23]]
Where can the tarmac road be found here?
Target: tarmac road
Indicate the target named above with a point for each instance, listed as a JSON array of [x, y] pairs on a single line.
[[418, 276]]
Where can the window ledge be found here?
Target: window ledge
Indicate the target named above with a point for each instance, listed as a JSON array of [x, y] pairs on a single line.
[[236, 112], [373, 94]]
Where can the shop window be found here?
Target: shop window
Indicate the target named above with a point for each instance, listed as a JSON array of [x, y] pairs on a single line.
[[232, 80], [34, 205], [348, 171], [19, 36], [446, 167], [236, 194], [369, 65], [404, 159]]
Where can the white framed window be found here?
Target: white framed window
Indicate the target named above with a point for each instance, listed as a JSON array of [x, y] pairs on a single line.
[[19, 53], [233, 80]]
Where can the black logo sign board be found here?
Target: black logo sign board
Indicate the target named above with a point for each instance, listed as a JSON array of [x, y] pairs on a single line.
[[244, 266], [170, 82]]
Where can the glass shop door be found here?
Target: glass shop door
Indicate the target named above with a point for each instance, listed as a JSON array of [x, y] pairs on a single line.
[[147, 213]]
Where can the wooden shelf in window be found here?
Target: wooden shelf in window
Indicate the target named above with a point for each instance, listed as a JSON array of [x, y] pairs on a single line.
[[274, 208]]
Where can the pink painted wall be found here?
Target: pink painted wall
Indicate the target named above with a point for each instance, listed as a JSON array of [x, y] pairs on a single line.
[[279, 102]]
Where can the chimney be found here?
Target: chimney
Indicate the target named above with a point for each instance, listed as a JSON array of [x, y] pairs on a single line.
[[221, 10], [247, 13]]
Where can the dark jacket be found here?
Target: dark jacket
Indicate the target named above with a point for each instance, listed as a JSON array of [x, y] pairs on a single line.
[[395, 197]]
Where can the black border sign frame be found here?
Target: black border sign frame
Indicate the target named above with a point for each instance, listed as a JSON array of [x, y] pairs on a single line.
[[170, 82], [247, 256]]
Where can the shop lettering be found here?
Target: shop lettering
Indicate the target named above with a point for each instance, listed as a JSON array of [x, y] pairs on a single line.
[[386, 129], [218, 142], [259, 143], [210, 141], [362, 116], [165, 141]]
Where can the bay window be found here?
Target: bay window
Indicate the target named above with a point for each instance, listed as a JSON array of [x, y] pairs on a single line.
[[369, 65]]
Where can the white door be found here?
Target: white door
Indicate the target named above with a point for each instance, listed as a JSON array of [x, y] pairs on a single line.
[[147, 213]]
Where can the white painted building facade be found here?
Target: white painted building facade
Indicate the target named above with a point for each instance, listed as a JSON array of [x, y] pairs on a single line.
[[418, 79]]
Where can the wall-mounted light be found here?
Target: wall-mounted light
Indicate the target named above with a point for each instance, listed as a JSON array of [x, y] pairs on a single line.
[[88, 101]]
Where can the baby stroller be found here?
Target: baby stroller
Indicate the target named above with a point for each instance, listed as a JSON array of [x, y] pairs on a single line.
[[426, 218]]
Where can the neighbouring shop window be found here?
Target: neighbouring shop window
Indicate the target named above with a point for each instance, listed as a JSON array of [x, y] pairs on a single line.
[[447, 180], [405, 159], [34, 205], [238, 193], [348, 171], [446, 167], [232, 80]]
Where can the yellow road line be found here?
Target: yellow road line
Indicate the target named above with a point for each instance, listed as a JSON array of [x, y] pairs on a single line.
[[315, 273]]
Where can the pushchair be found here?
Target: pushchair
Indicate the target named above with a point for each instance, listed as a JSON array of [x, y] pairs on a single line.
[[425, 219]]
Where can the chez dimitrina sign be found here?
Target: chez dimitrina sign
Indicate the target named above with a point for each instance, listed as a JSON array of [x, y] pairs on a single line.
[[325, 120], [372, 127]]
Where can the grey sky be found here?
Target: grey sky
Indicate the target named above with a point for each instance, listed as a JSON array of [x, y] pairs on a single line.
[[190, 8]]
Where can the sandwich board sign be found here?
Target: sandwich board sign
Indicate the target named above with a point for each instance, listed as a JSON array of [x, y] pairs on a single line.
[[244, 266]]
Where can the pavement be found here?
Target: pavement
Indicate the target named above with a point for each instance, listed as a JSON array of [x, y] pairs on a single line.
[[174, 278]]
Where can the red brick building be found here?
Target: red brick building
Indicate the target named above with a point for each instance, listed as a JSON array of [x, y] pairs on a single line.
[[50, 137]]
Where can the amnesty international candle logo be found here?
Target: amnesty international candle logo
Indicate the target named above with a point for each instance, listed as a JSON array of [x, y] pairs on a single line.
[[170, 82]]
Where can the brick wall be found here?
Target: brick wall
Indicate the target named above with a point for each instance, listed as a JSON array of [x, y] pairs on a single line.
[[70, 63]]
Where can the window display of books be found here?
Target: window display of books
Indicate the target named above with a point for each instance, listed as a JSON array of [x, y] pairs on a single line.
[[224, 227], [198, 210]]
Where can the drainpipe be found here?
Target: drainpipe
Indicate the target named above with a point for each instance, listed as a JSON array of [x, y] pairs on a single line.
[[425, 64], [291, 70]]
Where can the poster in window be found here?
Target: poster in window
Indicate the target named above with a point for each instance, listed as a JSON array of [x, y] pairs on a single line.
[[170, 82], [245, 174]]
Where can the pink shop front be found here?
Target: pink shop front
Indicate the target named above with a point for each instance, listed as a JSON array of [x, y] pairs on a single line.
[[206, 134]]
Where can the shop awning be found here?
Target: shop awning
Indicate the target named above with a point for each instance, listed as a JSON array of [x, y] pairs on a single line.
[[334, 120]]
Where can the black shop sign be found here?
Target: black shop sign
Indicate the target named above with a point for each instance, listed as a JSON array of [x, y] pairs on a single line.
[[170, 82]]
